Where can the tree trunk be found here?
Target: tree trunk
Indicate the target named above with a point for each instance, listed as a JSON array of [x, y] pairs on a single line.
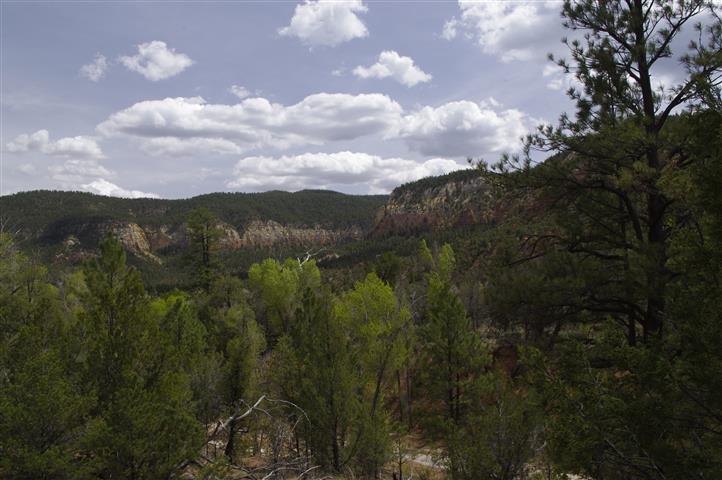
[[231, 445]]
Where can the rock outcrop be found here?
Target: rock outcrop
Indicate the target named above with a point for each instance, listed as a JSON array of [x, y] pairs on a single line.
[[154, 240], [461, 200], [267, 233], [134, 239]]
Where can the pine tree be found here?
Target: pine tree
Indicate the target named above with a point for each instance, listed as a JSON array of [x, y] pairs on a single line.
[[143, 423], [203, 233], [314, 369], [605, 184]]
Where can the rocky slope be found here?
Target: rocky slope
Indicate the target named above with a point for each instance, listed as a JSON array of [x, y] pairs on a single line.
[[437, 203], [151, 241]]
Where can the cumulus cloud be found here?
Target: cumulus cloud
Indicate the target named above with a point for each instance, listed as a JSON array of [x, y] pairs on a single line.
[[74, 171], [326, 23], [89, 175], [69, 147], [510, 30], [391, 64], [257, 122], [331, 170], [155, 61], [191, 126], [464, 128], [239, 91], [104, 187], [96, 70]]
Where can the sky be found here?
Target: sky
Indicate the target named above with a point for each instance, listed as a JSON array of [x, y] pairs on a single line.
[[176, 99]]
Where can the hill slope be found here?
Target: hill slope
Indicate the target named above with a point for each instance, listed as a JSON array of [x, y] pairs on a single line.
[[65, 227]]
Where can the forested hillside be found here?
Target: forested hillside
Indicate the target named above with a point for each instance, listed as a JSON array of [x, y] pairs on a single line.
[[555, 318], [34, 212], [63, 229]]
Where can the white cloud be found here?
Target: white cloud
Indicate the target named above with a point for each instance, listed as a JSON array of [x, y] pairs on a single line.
[[329, 170], [256, 122], [68, 147], [239, 91], [185, 147], [557, 79], [191, 126], [464, 129], [450, 29], [96, 70], [73, 171], [326, 23], [391, 64], [518, 30], [104, 187], [155, 61]]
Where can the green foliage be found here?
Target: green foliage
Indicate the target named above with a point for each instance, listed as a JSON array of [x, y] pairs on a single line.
[[279, 288], [623, 411], [41, 413], [455, 357], [378, 327], [144, 423], [315, 370], [616, 277], [41, 406], [229, 373], [606, 269], [203, 233], [388, 267], [498, 438], [418, 187], [51, 213]]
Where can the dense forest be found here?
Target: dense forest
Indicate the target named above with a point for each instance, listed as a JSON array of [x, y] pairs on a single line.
[[577, 337]]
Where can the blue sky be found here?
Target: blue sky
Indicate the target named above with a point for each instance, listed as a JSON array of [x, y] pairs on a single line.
[[176, 99]]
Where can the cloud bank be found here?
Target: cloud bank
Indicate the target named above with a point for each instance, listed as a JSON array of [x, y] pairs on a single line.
[[190, 126], [331, 170]]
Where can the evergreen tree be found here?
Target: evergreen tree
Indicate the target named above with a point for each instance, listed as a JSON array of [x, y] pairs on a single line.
[[42, 408], [203, 234], [603, 268], [314, 369], [453, 379], [231, 374], [143, 423]]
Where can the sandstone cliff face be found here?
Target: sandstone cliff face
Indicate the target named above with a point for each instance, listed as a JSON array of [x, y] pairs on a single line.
[[134, 239], [150, 241], [267, 233], [451, 204]]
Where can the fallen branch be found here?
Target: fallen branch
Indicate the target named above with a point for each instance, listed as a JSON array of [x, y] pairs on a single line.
[[235, 417]]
